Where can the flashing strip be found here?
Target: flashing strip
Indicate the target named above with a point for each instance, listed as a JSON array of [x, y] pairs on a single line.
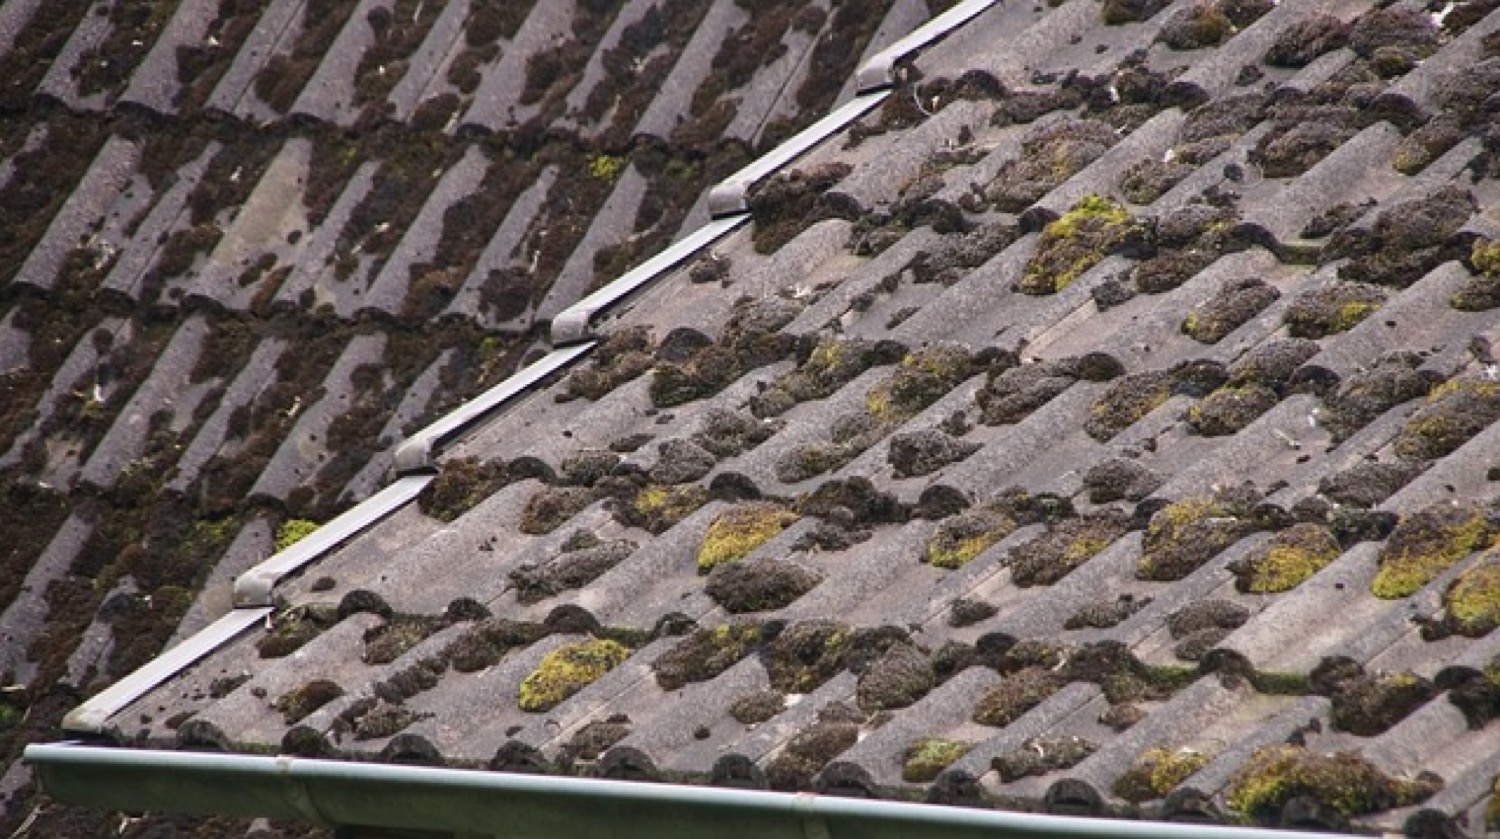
[[573, 323], [90, 717], [253, 588], [728, 197], [471, 802], [877, 72], [415, 455]]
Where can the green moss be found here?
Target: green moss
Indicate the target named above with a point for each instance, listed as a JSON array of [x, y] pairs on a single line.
[[1345, 781], [657, 508], [741, 530], [919, 380], [293, 531], [1077, 241], [925, 758], [1182, 536], [961, 538], [1473, 600], [1427, 543], [297, 704], [1351, 314], [567, 670], [1485, 256], [1157, 772], [1492, 810], [705, 654], [1290, 558], [1455, 412], [1015, 695], [606, 167]]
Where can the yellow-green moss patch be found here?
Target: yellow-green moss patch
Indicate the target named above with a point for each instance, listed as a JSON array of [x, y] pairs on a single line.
[[925, 758], [293, 531], [1182, 536], [658, 508], [961, 538], [1157, 772], [1473, 600], [567, 670], [741, 530], [1427, 543], [1287, 560], [1080, 239], [1345, 781], [1455, 412]]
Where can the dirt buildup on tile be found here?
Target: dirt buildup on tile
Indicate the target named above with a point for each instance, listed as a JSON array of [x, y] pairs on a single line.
[[420, 677], [384, 720], [1050, 154], [955, 255], [960, 539], [1012, 394], [1407, 240], [487, 642], [805, 655], [1408, 29], [391, 640], [1206, 614], [1157, 772], [1368, 705], [1229, 409], [725, 433], [680, 461], [1397, 377], [298, 704], [1148, 180], [1288, 559], [916, 453], [924, 759], [567, 670], [1299, 143], [1066, 546], [1080, 239], [758, 707], [1455, 412], [705, 653], [1106, 614], [786, 204], [1041, 756], [896, 679], [1195, 27], [568, 570], [967, 612], [1016, 694], [1117, 12], [1481, 292], [593, 740], [1233, 305], [551, 507], [739, 531], [1427, 543], [1365, 485], [1121, 717], [1119, 479], [759, 585], [811, 749], [1186, 534], [1307, 39]]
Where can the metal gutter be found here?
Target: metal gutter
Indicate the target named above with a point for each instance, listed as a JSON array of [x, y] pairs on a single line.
[[477, 803], [91, 716], [416, 454], [879, 71], [572, 324]]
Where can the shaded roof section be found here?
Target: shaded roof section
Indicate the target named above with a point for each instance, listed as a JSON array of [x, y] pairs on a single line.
[[250, 245], [1103, 425]]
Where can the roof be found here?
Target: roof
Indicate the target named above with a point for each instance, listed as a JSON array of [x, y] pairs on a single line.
[[1103, 424]]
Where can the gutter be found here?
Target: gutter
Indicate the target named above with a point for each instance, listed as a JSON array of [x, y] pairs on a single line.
[[479, 803]]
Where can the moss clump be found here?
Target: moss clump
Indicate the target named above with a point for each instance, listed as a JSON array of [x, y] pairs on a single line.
[[705, 654], [756, 708], [1229, 409], [806, 654], [297, 704], [1128, 401], [736, 533], [622, 356], [1481, 292], [1427, 543], [607, 167], [1287, 560], [961, 538], [924, 759], [1157, 772], [831, 365], [1066, 546], [292, 629], [1233, 305], [658, 508], [392, 639], [1455, 412], [1080, 239], [293, 531], [460, 484], [551, 507], [567, 670], [1015, 695], [1333, 309], [900, 677], [1369, 705], [1041, 755], [1184, 535], [1345, 781], [1472, 601], [921, 379], [759, 585]]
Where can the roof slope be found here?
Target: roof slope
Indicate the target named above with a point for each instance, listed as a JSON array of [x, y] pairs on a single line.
[[1105, 424], [248, 246]]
